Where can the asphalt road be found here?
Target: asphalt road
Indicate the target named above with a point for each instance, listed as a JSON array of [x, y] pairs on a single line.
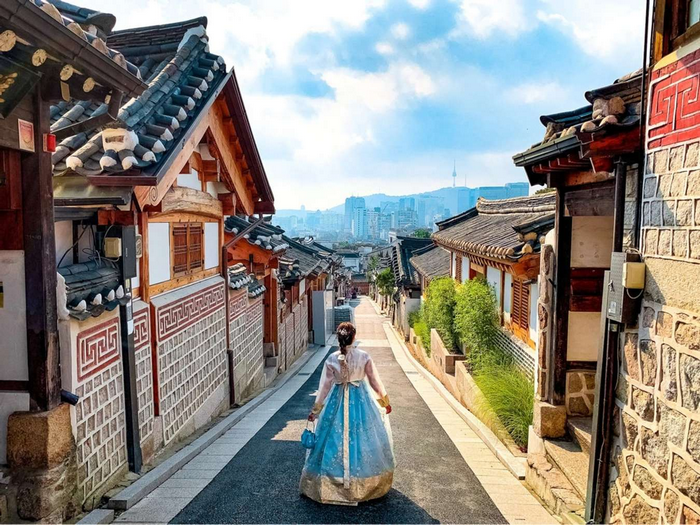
[[432, 483]]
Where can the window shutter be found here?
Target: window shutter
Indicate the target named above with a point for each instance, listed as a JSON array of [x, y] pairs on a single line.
[[195, 246], [520, 313], [179, 248]]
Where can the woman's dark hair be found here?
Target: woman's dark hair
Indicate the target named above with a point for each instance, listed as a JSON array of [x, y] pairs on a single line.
[[346, 335]]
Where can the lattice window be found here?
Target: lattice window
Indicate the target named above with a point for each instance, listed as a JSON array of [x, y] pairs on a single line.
[[520, 311], [188, 243]]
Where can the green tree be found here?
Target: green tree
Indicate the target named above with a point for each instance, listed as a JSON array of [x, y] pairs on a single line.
[[422, 233], [476, 318], [545, 190], [372, 266], [385, 282]]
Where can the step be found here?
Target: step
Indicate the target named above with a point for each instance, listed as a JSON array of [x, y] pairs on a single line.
[[552, 487], [580, 431], [270, 375], [568, 457]]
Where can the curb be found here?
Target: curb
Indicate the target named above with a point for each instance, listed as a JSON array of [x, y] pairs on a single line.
[[515, 465], [138, 490]]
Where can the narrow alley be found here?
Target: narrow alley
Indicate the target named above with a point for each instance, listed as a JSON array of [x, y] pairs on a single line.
[[251, 474]]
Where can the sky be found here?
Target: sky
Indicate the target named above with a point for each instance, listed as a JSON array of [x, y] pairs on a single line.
[[355, 97]]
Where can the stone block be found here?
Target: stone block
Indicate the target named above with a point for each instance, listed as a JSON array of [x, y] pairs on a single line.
[[669, 385], [668, 213], [630, 428], [690, 516], [695, 244], [639, 511], [646, 482], [630, 355], [549, 421], [656, 213], [648, 359], [664, 186], [654, 448], [665, 237], [651, 239], [661, 161], [688, 335], [671, 506], [684, 212], [678, 185], [685, 478], [693, 184], [643, 404], [691, 155], [39, 440], [650, 187], [664, 324], [676, 158], [680, 243], [690, 381]]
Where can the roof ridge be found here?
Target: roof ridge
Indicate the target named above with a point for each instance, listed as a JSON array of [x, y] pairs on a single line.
[[537, 203]]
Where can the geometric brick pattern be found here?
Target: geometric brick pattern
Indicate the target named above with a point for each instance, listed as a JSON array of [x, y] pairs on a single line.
[[100, 421], [294, 333], [98, 347], [186, 311], [246, 327], [144, 372], [191, 364]]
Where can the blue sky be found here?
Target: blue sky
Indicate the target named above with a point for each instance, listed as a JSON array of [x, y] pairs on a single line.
[[364, 96]]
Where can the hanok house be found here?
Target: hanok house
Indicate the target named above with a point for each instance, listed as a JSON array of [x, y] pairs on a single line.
[[590, 157], [431, 262], [139, 209], [500, 241], [254, 246], [44, 58], [407, 297]]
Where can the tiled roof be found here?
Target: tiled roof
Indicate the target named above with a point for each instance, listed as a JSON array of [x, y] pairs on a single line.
[[492, 228], [265, 235], [611, 108], [432, 262], [91, 288], [182, 77], [238, 276], [402, 251], [256, 289]]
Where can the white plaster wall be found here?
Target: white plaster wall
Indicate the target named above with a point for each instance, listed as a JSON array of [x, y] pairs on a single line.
[[465, 269], [13, 318], [453, 265], [507, 297], [64, 241], [493, 276], [534, 296], [158, 252], [591, 242], [302, 287], [135, 281], [211, 245], [10, 402], [189, 180], [584, 336], [211, 189]]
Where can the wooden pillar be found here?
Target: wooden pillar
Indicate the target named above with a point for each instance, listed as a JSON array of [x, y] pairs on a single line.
[[40, 267], [561, 327]]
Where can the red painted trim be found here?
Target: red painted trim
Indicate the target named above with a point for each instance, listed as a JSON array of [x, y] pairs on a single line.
[[97, 348]]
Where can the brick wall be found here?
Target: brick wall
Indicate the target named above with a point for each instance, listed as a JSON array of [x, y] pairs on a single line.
[[656, 456], [144, 377], [246, 338], [191, 349], [100, 424], [294, 333]]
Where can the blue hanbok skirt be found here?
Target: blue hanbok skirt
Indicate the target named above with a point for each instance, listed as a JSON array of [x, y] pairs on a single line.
[[353, 459]]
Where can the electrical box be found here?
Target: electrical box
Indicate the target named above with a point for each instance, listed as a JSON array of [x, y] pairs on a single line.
[[128, 239], [113, 247], [624, 301]]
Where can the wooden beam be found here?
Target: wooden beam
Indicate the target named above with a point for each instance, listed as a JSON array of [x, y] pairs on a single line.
[[222, 139], [117, 217], [144, 274], [187, 200], [150, 196], [228, 203], [40, 269]]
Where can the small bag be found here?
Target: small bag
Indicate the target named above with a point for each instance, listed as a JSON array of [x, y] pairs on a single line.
[[308, 437]]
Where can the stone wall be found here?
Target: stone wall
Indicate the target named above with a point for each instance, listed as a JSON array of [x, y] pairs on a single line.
[[656, 456], [190, 342], [92, 369], [144, 378], [580, 392], [294, 333], [246, 339]]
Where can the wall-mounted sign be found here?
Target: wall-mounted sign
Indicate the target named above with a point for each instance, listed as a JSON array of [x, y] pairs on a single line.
[[16, 81], [26, 135]]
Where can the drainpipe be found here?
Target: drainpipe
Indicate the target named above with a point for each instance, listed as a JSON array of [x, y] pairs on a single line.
[[224, 274], [642, 132]]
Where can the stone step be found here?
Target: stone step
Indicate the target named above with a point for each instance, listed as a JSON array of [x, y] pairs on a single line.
[[580, 432], [552, 487], [568, 457], [270, 374]]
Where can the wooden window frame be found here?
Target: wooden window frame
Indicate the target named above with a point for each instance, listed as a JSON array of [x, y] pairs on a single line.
[[193, 274], [520, 287], [671, 27], [190, 267]]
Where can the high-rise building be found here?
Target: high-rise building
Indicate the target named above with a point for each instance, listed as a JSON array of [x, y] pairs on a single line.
[[351, 204], [407, 203], [359, 222], [374, 223]]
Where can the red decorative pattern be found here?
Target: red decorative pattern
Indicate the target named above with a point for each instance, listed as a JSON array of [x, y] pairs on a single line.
[[184, 312], [98, 347], [674, 114], [141, 328], [238, 304]]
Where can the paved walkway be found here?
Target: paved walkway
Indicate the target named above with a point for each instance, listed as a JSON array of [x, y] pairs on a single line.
[[250, 475]]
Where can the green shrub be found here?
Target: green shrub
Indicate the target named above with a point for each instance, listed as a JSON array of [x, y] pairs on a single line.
[[413, 318], [476, 319], [438, 309], [510, 395], [385, 282], [423, 332]]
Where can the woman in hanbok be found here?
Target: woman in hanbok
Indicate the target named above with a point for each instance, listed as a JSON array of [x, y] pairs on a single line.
[[353, 458]]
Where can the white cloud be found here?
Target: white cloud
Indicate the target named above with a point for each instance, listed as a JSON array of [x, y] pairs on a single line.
[[400, 31], [484, 18], [419, 4], [536, 93], [604, 29], [384, 48]]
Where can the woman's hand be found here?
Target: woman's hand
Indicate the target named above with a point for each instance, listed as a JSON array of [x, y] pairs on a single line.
[[388, 409], [312, 417]]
